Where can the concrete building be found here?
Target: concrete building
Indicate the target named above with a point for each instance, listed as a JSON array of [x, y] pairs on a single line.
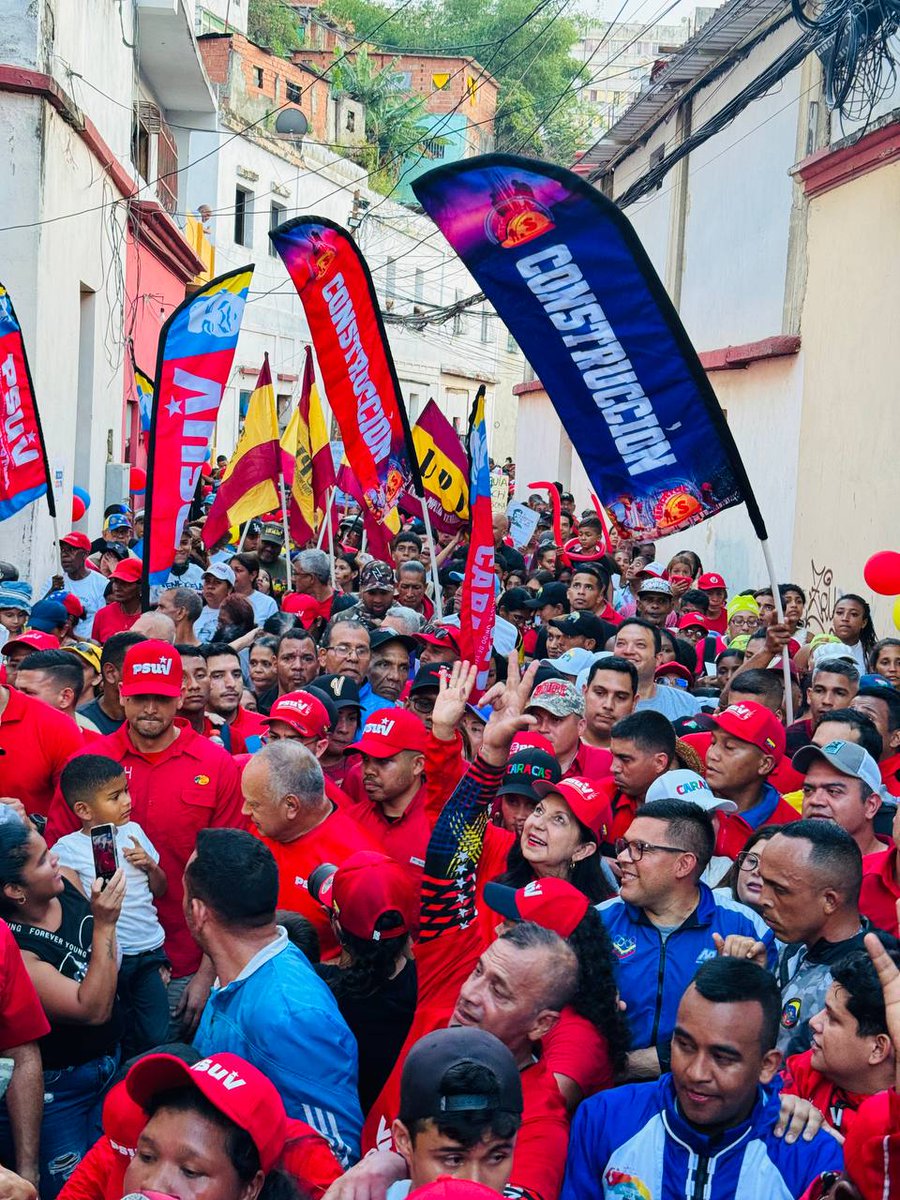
[[778, 239], [265, 178], [101, 108]]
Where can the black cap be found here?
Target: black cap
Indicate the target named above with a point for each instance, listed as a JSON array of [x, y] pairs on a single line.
[[380, 637], [119, 549], [272, 533], [524, 768], [515, 599], [584, 624], [550, 593], [422, 1094], [427, 676], [700, 722], [340, 690]]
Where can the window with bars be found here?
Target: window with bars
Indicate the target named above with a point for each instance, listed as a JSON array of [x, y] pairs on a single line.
[[293, 92], [243, 217], [276, 217]]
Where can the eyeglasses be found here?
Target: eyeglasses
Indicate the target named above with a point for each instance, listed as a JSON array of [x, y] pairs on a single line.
[[422, 704], [346, 651], [637, 850], [744, 622], [747, 861]]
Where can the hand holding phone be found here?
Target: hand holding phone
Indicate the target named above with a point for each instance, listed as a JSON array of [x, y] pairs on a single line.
[[106, 852]]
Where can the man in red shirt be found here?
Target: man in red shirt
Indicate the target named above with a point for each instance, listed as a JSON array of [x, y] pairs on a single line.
[[284, 797], [22, 1022], [587, 592], [716, 590], [36, 742], [391, 807], [851, 1056], [881, 884], [121, 613], [17, 648], [243, 730], [179, 783], [558, 709]]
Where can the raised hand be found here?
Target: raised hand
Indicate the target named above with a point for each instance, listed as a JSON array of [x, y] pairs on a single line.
[[507, 718], [455, 686]]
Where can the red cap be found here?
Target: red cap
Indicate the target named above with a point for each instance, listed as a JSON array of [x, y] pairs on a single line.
[[71, 604], [550, 902], [302, 605], [756, 724], [80, 541], [690, 620], [123, 1120], [152, 668], [129, 570], [591, 804], [674, 668], [524, 741], [302, 711], [390, 730], [34, 640], [872, 1145], [365, 887], [710, 582], [446, 1187], [442, 636], [231, 1084]]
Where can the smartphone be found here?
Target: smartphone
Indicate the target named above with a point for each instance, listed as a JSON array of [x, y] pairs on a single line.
[[680, 579], [106, 852]]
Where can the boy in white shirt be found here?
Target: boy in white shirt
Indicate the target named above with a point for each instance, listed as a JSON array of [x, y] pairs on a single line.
[[96, 789]]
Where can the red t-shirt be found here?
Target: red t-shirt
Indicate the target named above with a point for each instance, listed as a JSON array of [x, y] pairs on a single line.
[[331, 842], [591, 762], [734, 830], [890, 774], [245, 724], [802, 1079], [36, 742], [609, 614], [404, 839], [112, 619], [22, 1018], [880, 892], [191, 785], [717, 624]]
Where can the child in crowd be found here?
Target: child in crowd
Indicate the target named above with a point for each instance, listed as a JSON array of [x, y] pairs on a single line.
[[96, 789]]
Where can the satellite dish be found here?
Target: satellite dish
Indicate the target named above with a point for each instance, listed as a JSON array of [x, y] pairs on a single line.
[[291, 121]]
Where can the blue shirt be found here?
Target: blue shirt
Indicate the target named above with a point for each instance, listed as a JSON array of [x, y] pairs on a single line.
[[633, 1142], [371, 702], [281, 1017]]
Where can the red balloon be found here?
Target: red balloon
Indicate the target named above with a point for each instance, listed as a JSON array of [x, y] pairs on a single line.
[[882, 573], [78, 508], [137, 479]]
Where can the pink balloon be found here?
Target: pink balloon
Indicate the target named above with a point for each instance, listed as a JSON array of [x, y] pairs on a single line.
[[78, 508], [882, 573]]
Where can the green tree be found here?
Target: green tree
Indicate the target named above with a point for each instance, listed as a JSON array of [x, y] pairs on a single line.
[[540, 111], [271, 23], [396, 121]]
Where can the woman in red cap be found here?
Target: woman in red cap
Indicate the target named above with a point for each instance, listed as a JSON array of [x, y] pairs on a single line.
[[217, 1130]]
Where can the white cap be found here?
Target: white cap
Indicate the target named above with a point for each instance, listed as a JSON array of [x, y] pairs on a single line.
[[221, 571], [573, 662], [687, 785], [596, 656]]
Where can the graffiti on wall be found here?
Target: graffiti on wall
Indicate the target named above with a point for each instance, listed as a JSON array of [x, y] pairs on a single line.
[[821, 599]]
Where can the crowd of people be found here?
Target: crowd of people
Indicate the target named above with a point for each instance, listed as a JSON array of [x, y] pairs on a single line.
[[291, 908]]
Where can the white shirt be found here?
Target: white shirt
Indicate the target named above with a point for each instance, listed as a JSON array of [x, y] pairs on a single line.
[[263, 606], [191, 578], [205, 625], [138, 927], [90, 592]]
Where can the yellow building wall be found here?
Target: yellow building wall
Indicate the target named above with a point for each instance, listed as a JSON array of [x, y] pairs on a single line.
[[848, 487]]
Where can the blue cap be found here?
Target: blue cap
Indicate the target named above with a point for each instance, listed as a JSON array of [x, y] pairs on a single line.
[[118, 521], [47, 615], [875, 681], [16, 593]]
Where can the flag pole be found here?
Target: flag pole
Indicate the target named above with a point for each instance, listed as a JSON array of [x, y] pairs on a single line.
[[779, 613], [242, 537], [326, 519], [435, 581], [284, 525], [331, 540]]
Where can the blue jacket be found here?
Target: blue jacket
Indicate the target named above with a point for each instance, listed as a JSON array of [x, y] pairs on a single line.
[[653, 974], [280, 1016], [631, 1143]]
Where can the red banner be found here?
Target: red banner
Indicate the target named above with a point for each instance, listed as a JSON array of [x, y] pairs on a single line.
[[445, 472], [335, 288], [478, 608], [24, 473], [196, 350]]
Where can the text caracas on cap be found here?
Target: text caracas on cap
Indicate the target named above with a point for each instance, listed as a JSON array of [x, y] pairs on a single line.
[[525, 768], [152, 668], [390, 730]]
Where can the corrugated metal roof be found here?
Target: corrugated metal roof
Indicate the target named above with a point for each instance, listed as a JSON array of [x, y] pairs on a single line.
[[726, 29]]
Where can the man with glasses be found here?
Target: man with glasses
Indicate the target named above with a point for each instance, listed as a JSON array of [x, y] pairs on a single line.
[[665, 921], [345, 650], [423, 692]]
